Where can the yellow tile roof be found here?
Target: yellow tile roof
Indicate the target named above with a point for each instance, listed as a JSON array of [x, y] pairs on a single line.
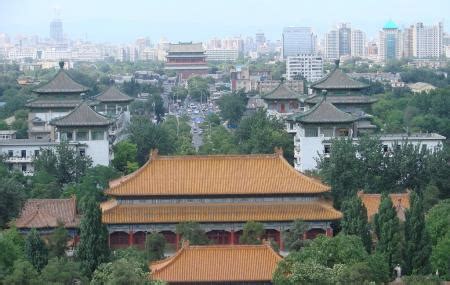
[[218, 263], [215, 175], [220, 212], [372, 202]]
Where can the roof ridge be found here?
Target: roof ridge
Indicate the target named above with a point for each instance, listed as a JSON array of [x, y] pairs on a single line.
[[168, 261]]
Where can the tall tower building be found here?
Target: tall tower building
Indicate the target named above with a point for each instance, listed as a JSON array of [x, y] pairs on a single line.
[[332, 45], [408, 42], [260, 39], [358, 43], [345, 36], [56, 30], [391, 43], [428, 40], [298, 40]]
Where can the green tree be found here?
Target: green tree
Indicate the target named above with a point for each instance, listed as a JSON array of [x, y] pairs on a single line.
[[192, 232], [218, 140], [57, 242], [93, 248], [155, 243], [198, 88], [132, 254], [341, 170], [119, 272], [23, 274], [11, 198], [440, 260], [35, 250], [45, 185], [437, 222], [63, 271], [232, 108], [388, 230], [125, 154], [355, 221], [10, 251], [252, 233], [417, 240], [293, 238]]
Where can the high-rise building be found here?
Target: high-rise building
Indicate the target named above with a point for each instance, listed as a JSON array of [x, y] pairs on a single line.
[[56, 30], [428, 40], [332, 45], [391, 42], [260, 39], [307, 66], [358, 43], [407, 36], [345, 36], [298, 40]]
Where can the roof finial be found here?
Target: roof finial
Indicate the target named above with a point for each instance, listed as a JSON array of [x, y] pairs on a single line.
[[337, 63], [324, 94], [279, 151], [61, 64], [154, 153]]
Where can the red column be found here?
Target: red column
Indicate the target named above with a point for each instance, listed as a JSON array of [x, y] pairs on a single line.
[[109, 240], [232, 237], [177, 240], [305, 236], [329, 232], [281, 240], [130, 238]]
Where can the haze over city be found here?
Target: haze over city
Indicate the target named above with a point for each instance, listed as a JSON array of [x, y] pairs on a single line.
[[199, 20]]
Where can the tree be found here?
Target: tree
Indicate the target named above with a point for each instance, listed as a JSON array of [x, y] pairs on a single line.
[[341, 170], [155, 244], [63, 271], [57, 241], [437, 222], [439, 257], [10, 251], [252, 233], [23, 274], [293, 238], [35, 250], [218, 140], [93, 248], [232, 108], [125, 154], [11, 198], [355, 221], [119, 272], [198, 88], [132, 254], [192, 232], [387, 228], [417, 240]]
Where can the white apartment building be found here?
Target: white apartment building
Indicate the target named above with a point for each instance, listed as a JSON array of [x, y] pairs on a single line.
[[332, 45], [309, 66], [358, 43], [222, 54], [298, 40], [428, 41]]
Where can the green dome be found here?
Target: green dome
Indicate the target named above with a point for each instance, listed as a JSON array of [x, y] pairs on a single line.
[[390, 25]]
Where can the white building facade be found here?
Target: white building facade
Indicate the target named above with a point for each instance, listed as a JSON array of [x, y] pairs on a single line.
[[308, 66], [298, 40], [428, 41], [358, 45]]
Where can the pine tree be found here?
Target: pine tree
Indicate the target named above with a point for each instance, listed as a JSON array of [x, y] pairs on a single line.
[[418, 242], [155, 244], [252, 233], [93, 248], [58, 241], [355, 221], [390, 239], [35, 250]]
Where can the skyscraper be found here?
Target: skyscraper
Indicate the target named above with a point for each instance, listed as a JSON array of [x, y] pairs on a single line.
[[260, 39], [345, 35], [390, 42], [428, 41], [332, 45], [56, 30], [298, 40], [358, 43]]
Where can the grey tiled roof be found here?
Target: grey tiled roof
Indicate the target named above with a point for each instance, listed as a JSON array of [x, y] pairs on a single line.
[[61, 83], [186, 47], [112, 94], [281, 92], [323, 112], [83, 115], [42, 103], [361, 99], [337, 79]]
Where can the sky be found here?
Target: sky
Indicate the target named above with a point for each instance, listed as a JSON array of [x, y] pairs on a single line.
[[199, 20]]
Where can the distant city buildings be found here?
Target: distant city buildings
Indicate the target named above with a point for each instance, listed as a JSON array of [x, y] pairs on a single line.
[[298, 40], [390, 42], [186, 59], [345, 39], [56, 30], [428, 41], [332, 45], [304, 66], [358, 43]]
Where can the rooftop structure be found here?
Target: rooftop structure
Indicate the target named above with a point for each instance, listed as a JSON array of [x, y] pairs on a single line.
[[81, 116], [230, 264], [221, 192], [113, 94], [323, 112], [186, 59]]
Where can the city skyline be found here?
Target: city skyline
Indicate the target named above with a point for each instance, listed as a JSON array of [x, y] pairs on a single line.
[[102, 22]]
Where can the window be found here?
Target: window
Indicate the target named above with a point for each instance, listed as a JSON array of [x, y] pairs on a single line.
[[82, 152], [82, 136], [66, 136], [36, 152], [327, 149], [342, 132], [10, 153], [385, 148], [291, 125], [97, 135], [23, 153], [311, 132], [24, 167], [326, 132], [424, 147]]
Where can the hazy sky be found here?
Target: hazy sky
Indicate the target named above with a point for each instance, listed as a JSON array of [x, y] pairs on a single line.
[[184, 20]]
